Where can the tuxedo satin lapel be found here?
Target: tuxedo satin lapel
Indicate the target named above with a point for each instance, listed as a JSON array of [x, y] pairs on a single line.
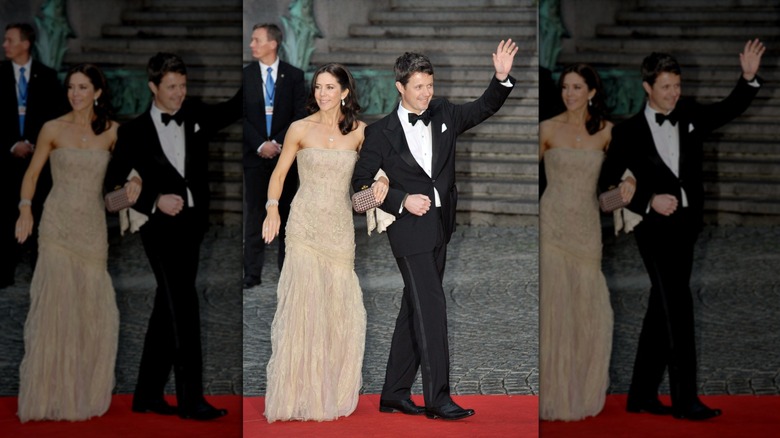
[[684, 136], [150, 137], [645, 140], [438, 146], [189, 142], [395, 135]]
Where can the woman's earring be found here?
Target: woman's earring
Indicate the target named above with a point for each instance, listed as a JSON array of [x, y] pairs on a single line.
[[590, 103], [342, 101], [95, 102]]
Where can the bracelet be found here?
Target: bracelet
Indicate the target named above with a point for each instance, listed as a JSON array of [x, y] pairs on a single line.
[[271, 203], [24, 202]]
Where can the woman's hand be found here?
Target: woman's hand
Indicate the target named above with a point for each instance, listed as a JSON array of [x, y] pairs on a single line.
[[271, 224], [627, 189], [133, 188], [24, 224], [380, 188]]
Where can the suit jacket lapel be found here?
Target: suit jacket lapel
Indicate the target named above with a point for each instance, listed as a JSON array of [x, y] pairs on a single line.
[[395, 135], [9, 85], [651, 151], [153, 140], [437, 144]]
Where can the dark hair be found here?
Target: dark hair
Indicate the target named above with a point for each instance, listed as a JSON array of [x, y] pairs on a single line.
[[410, 63], [163, 63], [597, 107], [272, 30], [26, 32], [102, 109], [655, 64], [351, 107]]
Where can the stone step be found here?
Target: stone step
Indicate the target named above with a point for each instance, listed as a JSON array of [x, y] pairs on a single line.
[[742, 207], [498, 205], [703, 16], [513, 146], [171, 31], [700, 47], [384, 61], [744, 189], [468, 92], [633, 59], [497, 126], [148, 46], [218, 17], [186, 5], [524, 16], [462, 31], [765, 31], [140, 60], [464, 4], [701, 4], [488, 167], [747, 129], [738, 145], [480, 47], [523, 188], [745, 167]]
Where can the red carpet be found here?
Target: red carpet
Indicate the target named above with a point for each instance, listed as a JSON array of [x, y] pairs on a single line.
[[743, 416], [496, 417], [121, 422]]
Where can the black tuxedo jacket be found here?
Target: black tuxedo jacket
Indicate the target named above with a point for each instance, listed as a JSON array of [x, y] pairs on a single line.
[[289, 106], [633, 148], [385, 147], [138, 147]]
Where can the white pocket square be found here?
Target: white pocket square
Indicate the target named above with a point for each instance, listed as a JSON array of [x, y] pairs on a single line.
[[197, 127], [690, 127], [443, 127]]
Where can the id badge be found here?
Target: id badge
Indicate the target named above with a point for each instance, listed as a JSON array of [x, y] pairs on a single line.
[[22, 110], [269, 110]]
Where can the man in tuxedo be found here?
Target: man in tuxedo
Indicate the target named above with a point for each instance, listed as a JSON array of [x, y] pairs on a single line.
[[662, 146], [30, 95], [168, 147], [415, 146], [274, 97]]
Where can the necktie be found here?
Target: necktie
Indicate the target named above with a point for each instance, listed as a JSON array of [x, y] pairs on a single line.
[[22, 85], [178, 118], [672, 118], [269, 100], [424, 117]]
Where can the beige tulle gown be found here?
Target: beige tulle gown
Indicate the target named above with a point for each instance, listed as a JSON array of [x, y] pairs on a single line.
[[575, 316], [72, 328], [319, 329]]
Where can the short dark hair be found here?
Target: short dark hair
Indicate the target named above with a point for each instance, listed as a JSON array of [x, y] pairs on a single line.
[[351, 108], [103, 109], [26, 32], [597, 107], [273, 31], [656, 63], [163, 63], [410, 63]]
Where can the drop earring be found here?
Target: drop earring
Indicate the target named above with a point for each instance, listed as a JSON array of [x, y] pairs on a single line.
[[342, 101], [95, 102], [590, 103]]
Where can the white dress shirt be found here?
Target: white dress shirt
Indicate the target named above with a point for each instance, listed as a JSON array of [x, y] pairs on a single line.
[[173, 144], [418, 137], [667, 142]]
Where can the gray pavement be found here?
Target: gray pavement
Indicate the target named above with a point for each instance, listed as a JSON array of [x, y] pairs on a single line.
[[491, 284]]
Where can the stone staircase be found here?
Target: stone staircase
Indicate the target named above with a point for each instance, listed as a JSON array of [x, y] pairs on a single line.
[[742, 161], [496, 167], [208, 36]]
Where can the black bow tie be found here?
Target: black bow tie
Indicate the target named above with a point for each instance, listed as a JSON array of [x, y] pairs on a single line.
[[178, 118], [672, 118], [424, 117]]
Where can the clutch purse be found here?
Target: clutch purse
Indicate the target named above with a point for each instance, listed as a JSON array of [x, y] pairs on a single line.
[[611, 200], [364, 200], [117, 200]]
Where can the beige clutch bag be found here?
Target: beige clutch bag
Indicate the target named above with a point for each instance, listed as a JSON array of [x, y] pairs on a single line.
[[117, 200], [611, 200], [364, 200]]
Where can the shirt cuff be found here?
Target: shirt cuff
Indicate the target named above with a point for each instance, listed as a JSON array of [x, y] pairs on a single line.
[[507, 83], [754, 83]]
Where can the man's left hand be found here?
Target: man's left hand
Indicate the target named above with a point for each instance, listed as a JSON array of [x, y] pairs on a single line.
[[503, 58], [750, 58]]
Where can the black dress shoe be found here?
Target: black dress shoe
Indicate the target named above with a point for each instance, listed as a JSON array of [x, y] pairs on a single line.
[[403, 406], [450, 411], [650, 405], [157, 407], [250, 282], [202, 411], [697, 412]]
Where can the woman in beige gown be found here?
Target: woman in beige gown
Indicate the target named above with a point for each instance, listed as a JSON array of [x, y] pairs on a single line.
[[575, 316], [318, 331], [71, 331]]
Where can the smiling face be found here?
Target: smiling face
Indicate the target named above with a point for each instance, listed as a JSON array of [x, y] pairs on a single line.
[[170, 94], [81, 92], [328, 92], [664, 93], [263, 48], [575, 92], [416, 95]]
